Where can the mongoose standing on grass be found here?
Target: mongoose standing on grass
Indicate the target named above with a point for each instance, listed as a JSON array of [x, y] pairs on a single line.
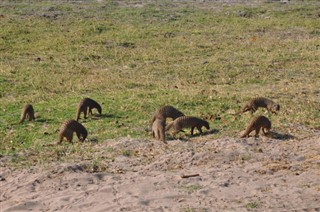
[[69, 127], [255, 103], [159, 129], [165, 112], [186, 122], [87, 104], [259, 122], [27, 112]]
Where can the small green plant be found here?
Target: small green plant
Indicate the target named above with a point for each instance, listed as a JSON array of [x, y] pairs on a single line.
[[252, 205], [192, 209], [127, 153], [194, 187], [96, 165], [245, 157]]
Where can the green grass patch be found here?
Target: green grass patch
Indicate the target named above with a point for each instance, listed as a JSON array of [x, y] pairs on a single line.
[[206, 59]]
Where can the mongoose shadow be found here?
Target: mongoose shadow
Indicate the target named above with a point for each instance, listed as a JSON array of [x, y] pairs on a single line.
[[208, 132], [183, 138], [42, 120], [186, 137], [280, 136], [108, 116], [100, 116], [38, 120], [92, 140]]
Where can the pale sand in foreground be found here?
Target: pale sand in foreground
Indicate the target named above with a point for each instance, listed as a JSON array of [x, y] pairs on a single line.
[[258, 174]]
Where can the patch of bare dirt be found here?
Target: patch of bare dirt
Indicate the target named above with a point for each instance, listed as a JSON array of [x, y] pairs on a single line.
[[225, 174]]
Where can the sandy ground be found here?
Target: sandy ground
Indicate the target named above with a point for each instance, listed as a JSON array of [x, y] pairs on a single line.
[[255, 174]]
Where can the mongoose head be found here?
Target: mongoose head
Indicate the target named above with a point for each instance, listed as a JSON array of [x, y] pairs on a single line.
[[276, 107], [83, 136], [206, 125], [268, 127], [99, 109]]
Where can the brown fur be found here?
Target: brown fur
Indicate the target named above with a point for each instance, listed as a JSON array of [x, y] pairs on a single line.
[[158, 130], [255, 103], [69, 127], [165, 112], [85, 105], [27, 112], [259, 122], [186, 122]]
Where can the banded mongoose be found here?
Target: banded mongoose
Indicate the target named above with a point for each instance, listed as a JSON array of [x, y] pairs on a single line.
[[165, 112], [186, 122], [69, 127], [159, 129], [27, 112], [87, 104], [259, 122], [255, 103]]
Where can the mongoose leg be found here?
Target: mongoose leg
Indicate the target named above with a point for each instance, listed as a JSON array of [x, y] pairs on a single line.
[[257, 132], [69, 137], [161, 137], [192, 128], [90, 111], [85, 113], [80, 137], [199, 128], [21, 120], [265, 131], [60, 139], [157, 133]]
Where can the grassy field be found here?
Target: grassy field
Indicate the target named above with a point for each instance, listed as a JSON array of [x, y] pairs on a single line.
[[204, 58]]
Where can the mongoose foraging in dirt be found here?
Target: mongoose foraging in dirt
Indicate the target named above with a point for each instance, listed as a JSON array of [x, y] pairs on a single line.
[[159, 129], [27, 112], [86, 104], [259, 122], [165, 112], [255, 103], [69, 127], [187, 121]]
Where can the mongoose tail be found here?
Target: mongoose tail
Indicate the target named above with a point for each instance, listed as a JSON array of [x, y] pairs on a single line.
[[257, 124]]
